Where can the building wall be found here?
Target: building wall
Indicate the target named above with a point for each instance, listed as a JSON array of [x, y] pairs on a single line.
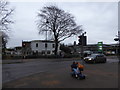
[[39, 46], [106, 48]]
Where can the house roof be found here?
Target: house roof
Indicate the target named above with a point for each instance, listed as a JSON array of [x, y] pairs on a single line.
[[42, 41]]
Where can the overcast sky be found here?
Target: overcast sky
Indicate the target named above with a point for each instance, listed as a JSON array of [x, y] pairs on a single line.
[[99, 20]]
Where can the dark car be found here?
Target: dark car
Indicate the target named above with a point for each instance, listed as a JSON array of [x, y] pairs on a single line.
[[95, 58]]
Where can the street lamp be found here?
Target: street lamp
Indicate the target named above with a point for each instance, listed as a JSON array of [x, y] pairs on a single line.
[[46, 38]]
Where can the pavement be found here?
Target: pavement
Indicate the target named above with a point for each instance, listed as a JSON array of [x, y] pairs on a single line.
[[57, 75]]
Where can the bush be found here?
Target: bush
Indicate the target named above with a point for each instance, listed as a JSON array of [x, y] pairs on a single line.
[[71, 55], [51, 56], [39, 56], [11, 57], [42, 56]]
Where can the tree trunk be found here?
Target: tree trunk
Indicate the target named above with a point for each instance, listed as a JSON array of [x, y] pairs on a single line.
[[56, 48], [3, 47]]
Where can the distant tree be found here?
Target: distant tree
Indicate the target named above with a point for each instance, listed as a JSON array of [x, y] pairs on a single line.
[[65, 49], [5, 38], [5, 21], [59, 24]]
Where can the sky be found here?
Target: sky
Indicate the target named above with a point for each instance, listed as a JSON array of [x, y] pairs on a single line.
[[98, 19]]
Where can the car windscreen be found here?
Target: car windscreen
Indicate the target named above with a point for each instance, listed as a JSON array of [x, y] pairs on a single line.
[[93, 55], [100, 55]]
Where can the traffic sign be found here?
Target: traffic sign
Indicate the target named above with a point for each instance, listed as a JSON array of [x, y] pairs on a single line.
[[100, 46]]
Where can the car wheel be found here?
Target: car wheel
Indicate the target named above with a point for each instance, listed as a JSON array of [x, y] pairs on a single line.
[[104, 61]]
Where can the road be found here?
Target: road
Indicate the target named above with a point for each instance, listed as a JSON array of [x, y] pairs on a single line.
[[59, 72], [15, 71]]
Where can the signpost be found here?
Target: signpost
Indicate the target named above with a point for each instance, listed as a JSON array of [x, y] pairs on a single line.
[[100, 47]]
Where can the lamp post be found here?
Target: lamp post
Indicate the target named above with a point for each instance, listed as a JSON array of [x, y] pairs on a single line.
[[46, 38]]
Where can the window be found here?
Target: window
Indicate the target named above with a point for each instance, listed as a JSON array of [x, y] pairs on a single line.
[[53, 45], [43, 52], [45, 45], [37, 52], [36, 44], [48, 52], [100, 55], [24, 45], [53, 51]]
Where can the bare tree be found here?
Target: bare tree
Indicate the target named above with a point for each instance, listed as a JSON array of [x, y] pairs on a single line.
[[5, 21], [60, 24], [5, 13]]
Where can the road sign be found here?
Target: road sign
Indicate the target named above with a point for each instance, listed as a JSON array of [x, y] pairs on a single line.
[[100, 46]]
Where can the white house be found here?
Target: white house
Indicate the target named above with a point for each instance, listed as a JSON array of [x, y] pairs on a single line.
[[43, 47]]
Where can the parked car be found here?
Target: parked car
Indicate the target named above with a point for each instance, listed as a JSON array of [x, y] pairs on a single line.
[[95, 58]]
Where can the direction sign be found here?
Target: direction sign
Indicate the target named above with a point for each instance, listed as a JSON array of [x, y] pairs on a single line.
[[100, 46]]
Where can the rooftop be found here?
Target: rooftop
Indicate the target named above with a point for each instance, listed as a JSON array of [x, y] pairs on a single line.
[[41, 41]]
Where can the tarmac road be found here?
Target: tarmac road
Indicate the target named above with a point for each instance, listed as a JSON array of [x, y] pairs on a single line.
[[40, 74]]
